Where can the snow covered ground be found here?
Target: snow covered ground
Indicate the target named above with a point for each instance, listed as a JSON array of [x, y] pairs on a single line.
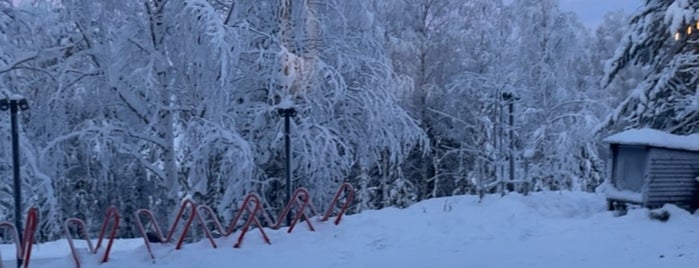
[[555, 229]]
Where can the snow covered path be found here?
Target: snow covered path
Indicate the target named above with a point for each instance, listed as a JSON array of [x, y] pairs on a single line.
[[566, 229]]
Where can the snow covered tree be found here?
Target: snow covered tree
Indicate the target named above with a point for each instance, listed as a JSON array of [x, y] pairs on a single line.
[[166, 94], [661, 37], [607, 38], [550, 73], [31, 56], [428, 47], [120, 103], [141, 104], [331, 70]]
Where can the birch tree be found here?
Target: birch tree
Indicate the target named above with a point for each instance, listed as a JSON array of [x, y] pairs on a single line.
[[330, 69]]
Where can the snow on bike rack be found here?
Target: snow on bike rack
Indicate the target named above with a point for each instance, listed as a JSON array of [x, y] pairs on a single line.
[[252, 218], [166, 239], [111, 217], [24, 247], [302, 200], [349, 197]]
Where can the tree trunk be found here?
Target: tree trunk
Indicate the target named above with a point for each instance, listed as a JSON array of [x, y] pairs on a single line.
[[165, 125]]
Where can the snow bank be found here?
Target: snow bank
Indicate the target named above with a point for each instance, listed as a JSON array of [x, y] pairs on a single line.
[[553, 229], [656, 138]]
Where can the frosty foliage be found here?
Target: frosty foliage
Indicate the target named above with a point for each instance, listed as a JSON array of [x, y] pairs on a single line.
[[140, 104], [347, 116], [553, 46], [666, 96]]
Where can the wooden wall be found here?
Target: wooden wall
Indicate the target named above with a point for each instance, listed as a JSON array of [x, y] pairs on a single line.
[[671, 178]]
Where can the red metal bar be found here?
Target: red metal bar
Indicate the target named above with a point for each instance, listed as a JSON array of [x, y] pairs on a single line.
[[15, 237], [81, 225], [188, 223], [217, 224], [301, 212], [349, 197], [207, 232], [245, 207], [209, 211], [29, 231], [193, 207], [112, 216], [23, 248], [301, 199], [142, 229], [252, 218]]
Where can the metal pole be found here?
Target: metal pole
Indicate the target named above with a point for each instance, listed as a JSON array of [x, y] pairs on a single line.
[[15, 105], [15, 173], [512, 139], [287, 142], [501, 149], [288, 113]]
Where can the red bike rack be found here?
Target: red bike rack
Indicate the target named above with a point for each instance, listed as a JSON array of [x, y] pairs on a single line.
[[193, 214], [81, 227], [349, 197], [302, 200], [111, 217], [15, 236], [24, 248], [29, 231], [206, 210], [257, 209]]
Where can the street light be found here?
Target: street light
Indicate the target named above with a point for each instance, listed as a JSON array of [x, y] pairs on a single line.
[[287, 113], [16, 104], [510, 98]]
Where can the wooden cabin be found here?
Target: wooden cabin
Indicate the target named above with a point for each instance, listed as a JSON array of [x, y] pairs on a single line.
[[651, 168]]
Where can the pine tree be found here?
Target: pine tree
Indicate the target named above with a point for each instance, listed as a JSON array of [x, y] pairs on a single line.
[[662, 37]]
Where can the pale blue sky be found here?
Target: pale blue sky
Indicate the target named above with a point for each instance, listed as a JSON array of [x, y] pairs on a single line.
[[591, 12]]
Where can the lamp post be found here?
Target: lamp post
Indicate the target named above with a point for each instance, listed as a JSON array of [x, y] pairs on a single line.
[[287, 113], [510, 98], [16, 104]]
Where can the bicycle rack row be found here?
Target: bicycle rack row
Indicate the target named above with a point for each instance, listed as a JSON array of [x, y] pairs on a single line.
[[252, 206], [24, 247], [111, 217]]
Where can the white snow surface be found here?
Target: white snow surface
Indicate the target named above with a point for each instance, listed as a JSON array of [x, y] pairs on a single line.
[[552, 229], [286, 103], [624, 195], [656, 138]]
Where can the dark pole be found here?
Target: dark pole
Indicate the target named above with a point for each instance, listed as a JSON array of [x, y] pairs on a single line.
[[512, 139], [15, 105], [288, 113], [510, 99]]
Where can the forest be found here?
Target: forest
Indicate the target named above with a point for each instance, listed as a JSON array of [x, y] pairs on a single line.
[[141, 104]]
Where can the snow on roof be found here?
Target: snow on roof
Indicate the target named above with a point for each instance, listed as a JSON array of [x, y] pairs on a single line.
[[655, 138]]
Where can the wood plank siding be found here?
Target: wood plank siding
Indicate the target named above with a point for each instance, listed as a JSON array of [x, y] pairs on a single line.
[[671, 178]]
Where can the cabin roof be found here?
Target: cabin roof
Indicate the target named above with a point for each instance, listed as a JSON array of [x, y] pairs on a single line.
[[655, 138]]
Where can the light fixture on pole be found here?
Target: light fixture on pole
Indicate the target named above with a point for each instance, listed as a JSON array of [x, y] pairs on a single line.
[[16, 104]]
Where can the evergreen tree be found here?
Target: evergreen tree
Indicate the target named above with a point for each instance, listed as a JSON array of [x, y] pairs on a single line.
[[662, 37]]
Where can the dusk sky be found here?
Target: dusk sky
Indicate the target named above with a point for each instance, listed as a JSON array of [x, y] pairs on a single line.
[[591, 12]]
